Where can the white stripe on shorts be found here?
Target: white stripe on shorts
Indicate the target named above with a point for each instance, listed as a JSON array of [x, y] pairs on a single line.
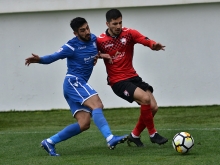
[[75, 89], [85, 88]]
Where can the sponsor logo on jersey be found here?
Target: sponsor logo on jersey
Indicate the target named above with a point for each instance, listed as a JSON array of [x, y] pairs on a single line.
[[106, 46], [88, 59], [123, 41], [126, 93], [118, 55], [82, 47], [60, 50]]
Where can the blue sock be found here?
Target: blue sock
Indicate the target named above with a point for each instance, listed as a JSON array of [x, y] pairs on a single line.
[[101, 123], [66, 133]]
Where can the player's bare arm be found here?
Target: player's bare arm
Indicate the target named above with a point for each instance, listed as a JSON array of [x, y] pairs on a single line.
[[33, 59], [158, 46], [105, 56]]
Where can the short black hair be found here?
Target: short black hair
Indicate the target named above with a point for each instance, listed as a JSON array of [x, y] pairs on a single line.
[[77, 22], [113, 14]]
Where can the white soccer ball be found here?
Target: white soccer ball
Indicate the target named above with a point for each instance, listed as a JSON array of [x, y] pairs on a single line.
[[182, 142]]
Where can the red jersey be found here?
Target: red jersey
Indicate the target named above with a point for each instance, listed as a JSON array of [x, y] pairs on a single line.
[[121, 49]]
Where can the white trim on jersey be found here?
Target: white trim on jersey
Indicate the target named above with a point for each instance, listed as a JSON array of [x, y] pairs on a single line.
[[70, 47]]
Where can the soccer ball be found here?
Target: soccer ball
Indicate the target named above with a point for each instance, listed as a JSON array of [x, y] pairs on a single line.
[[182, 142]]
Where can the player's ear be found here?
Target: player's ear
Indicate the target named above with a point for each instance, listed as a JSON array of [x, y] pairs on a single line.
[[107, 23], [75, 33]]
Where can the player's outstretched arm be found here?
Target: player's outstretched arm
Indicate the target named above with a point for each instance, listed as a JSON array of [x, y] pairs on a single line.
[[158, 46], [33, 59]]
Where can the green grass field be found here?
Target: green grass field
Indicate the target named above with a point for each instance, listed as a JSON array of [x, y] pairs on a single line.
[[22, 132]]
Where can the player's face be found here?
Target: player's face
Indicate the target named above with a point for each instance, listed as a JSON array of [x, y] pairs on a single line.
[[83, 33], [115, 26]]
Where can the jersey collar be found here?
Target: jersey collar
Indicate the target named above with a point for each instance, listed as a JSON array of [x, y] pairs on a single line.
[[107, 33]]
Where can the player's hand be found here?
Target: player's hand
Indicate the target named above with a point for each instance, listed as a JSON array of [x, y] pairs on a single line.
[[33, 59], [96, 59], [105, 56], [158, 46]]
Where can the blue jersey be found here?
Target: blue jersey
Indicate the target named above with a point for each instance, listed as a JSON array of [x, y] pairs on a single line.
[[79, 54]]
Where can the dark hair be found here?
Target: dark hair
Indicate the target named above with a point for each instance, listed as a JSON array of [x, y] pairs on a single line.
[[77, 22], [113, 14]]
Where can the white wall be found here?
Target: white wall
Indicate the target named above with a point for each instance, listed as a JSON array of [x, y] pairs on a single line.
[[13, 6], [187, 73]]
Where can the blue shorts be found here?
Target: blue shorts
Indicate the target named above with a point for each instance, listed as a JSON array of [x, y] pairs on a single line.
[[76, 91]]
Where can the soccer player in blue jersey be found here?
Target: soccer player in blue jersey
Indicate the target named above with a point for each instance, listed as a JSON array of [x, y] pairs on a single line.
[[81, 53]]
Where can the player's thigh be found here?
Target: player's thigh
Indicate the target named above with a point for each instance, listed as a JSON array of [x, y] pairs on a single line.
[[125, 90], [82, 115], [142, 97], [77, 107], [153, 101], [143, 94], [93, 102]]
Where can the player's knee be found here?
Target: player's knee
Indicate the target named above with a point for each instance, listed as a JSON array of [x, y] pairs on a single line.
[[146, 99], [155, 108], [98, 105], [84, 125]]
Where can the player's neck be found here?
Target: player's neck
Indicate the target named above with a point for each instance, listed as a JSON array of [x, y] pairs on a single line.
[[112, 34]]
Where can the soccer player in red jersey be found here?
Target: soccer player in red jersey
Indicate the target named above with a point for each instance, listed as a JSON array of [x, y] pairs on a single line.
[[118, 42]]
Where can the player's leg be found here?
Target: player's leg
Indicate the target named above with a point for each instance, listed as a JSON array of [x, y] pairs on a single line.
[[134, 136], [140, 126], [153, 103], [96, 105], [155, 138], [125, 89], [144, 98], [82, 115]]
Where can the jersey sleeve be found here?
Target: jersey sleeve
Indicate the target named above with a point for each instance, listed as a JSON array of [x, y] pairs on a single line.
[[99, 41], [64, 52], [141, 39]]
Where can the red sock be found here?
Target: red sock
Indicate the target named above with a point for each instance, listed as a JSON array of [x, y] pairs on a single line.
[[140, 126], [147, 118]]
